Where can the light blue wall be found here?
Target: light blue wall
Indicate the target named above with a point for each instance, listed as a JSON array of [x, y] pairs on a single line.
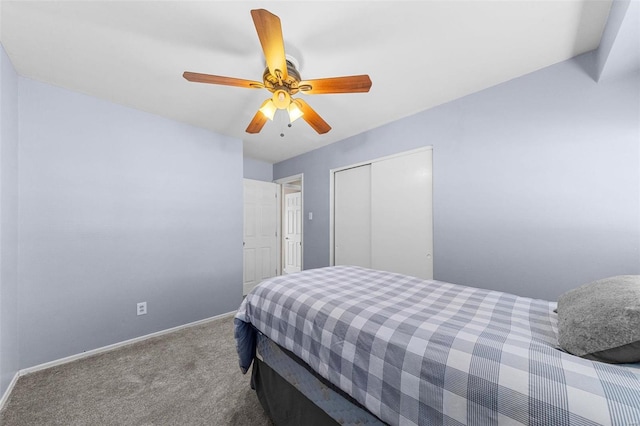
[[257, 170], [619, 51], [118, 206], [8, 222], [536, 181]]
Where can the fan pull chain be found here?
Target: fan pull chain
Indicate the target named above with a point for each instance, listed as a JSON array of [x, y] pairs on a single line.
[[281, 122]]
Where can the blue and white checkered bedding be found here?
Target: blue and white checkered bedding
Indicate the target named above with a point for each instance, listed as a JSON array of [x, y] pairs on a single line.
[[420, 352]]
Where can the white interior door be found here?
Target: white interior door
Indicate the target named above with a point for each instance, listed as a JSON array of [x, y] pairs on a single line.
[[352, 216], [292, 232], [401, 214], [260, 232]]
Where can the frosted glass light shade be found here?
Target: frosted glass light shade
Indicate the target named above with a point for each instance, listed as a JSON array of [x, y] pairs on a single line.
[[294, 111], [268, 108]]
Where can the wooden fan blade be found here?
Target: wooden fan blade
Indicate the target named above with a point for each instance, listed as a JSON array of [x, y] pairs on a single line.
[[349, 84], [257, 123], [312, 117], [225, 81], [270, 34]]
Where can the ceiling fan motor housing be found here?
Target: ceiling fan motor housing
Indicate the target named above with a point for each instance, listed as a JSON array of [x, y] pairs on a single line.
[[275, 83]]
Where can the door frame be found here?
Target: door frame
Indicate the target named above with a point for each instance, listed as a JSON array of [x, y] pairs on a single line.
[[283, 182], [332, 172]]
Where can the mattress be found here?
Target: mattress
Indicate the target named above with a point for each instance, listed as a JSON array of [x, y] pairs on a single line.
[[424, 352]]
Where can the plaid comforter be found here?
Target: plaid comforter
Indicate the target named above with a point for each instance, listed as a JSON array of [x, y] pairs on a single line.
[[417, 352]]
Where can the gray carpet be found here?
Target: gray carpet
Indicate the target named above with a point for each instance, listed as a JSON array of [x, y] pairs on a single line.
[[187, 377]]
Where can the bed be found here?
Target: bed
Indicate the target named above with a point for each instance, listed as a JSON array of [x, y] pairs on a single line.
[[349, 345]]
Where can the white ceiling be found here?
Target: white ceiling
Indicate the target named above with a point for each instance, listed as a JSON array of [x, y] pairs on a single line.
[[419, 54]]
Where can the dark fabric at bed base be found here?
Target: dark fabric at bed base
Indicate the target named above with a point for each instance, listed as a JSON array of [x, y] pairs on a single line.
[[337, 404], [324, 381], [282, 402]]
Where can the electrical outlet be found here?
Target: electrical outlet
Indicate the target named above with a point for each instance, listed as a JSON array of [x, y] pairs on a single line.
[[142, 308]]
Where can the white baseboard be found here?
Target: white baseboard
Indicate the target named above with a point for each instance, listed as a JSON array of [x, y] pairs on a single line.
[[118, 345], [6, 394]]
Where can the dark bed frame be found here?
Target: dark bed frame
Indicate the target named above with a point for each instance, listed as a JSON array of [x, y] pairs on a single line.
[[284, 404]]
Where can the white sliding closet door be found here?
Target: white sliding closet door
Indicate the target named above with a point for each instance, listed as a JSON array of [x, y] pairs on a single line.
[[352, 216], [401, 215], [382, 215]]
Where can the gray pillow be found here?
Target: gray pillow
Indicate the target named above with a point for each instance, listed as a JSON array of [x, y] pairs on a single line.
[[601, 320]]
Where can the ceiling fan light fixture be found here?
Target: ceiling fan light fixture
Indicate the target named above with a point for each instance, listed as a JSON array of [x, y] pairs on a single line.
[[294, 111], [268, 108], [281, 99]]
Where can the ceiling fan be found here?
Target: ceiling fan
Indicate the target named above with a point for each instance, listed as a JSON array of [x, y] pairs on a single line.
[[282, 78]]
